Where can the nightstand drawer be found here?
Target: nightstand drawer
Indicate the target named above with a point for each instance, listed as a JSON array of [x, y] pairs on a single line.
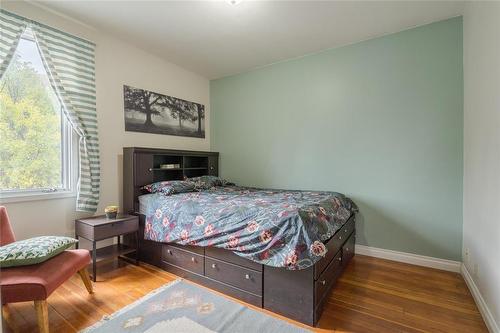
[[107, 230], [115, 229]]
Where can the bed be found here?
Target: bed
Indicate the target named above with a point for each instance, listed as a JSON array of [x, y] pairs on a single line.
[[277, 249]]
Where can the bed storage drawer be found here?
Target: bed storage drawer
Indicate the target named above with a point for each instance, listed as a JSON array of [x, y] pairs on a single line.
[[348, 249], [228, 256], [347, 229], [184, 259], [333, 246], [231, 291], [234, 275], [326, 281]]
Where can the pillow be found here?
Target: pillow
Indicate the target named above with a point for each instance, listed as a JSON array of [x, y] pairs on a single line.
[[170, 187], [34, 250], [207, 182]]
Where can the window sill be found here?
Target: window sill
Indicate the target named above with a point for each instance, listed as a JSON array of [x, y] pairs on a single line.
[[36, 196]]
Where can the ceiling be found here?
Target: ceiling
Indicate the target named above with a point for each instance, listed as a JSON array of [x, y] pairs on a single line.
[[216, 39]]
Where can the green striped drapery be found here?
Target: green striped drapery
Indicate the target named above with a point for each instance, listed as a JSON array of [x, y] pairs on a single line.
[[11, 29], [70, 63]]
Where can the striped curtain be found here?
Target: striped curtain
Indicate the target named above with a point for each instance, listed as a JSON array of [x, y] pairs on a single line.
[[70, 64], [11, 29]]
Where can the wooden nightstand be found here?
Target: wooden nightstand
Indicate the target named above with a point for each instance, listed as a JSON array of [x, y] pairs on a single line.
[[98, 228]]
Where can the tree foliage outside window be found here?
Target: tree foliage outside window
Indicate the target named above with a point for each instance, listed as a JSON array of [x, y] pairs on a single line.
[[30, 125]]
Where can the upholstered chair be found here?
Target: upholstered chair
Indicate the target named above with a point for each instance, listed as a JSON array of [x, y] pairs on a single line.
[[37, 282]]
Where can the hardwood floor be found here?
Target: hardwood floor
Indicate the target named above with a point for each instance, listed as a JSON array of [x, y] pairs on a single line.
[[373, 295]]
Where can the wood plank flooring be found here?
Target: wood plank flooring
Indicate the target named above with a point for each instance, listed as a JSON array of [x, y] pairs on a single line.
[[373, 295]]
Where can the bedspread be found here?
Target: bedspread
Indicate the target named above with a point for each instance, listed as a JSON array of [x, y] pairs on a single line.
[[279, 228]]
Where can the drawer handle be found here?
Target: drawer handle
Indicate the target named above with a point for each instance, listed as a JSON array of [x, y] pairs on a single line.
[[211, 168], [150, 169], [169, 252], [346, 249], [214, 265], [340, 237], [323, 282], [339, 259], [193, 259], [345, 230], [247, 276]]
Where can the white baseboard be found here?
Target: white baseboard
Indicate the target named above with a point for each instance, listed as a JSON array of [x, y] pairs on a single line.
[[481, 304], [444, 264], [409, 258]]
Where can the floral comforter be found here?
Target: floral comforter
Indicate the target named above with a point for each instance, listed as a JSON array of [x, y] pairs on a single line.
[[273, 227]]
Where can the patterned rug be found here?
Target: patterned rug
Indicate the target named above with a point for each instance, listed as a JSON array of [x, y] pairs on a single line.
[[181, 307]]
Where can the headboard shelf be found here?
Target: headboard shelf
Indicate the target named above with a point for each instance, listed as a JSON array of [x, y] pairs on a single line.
[[165, 169], [142, 166]]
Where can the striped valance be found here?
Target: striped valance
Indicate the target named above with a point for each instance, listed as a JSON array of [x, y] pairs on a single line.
[[70, 64]]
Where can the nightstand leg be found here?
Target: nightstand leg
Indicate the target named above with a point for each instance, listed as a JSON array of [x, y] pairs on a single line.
[[76, 245], [94, 275], [137, 248]]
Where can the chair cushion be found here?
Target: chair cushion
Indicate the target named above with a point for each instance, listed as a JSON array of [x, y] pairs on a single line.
[[37, 282], [34, 250]]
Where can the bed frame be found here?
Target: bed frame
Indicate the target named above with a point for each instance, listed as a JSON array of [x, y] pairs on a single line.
[[299, 295]]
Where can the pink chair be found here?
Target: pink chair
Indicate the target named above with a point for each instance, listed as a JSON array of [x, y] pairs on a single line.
[[37, 282]]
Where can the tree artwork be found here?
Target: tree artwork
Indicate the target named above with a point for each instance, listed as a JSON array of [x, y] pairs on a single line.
[[150, 112]]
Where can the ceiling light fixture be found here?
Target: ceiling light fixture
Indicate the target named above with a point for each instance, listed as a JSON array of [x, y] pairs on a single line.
[[234, 2]]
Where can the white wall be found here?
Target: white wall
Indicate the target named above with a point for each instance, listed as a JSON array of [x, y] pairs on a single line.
[[117, 63], [482, 149]]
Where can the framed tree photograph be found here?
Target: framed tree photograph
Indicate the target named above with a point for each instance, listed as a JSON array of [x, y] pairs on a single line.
[[150, 112]]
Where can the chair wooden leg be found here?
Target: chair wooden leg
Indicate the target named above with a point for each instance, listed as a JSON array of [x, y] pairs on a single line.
[[42, 313], [6, 316], [84, 274]]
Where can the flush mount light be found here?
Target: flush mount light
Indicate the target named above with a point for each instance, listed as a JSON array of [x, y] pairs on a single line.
[[234, 2]]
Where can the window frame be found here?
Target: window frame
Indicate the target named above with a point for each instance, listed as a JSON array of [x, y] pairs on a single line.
[[69, 164]]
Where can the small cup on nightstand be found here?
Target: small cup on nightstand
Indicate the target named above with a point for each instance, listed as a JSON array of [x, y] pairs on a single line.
[[111, 212]]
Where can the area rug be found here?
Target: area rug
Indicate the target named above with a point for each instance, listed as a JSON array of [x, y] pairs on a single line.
[[182, 307]]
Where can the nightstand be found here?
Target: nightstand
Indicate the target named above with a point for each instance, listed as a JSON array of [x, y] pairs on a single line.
[[98, 228]]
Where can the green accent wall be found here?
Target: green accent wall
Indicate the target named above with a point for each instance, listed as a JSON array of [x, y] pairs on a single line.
[[380, 121]]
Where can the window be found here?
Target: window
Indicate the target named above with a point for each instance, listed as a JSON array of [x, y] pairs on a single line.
[[36, 140]]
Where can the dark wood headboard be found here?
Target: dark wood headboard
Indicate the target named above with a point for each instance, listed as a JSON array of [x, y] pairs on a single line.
[[142, 166]]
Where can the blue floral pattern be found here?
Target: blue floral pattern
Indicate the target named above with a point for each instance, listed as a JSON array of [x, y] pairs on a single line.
[[278, 228]]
